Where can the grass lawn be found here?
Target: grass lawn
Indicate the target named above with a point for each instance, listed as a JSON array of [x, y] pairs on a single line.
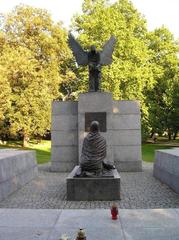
[[42, 149], [148, 149]]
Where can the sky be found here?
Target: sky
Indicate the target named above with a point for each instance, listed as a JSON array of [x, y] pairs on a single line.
[[156, 12]]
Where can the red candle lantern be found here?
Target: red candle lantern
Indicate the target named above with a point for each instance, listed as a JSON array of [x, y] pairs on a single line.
[[114, 211]]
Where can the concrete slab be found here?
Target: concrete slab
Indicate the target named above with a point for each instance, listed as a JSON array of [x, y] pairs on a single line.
[[149, 218], [29, 218], [151, 233], [99, 233], [133, 224], [24, 233], [97, 224]]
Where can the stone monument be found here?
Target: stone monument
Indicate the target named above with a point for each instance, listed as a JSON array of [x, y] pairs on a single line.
[[119, 121], [93, 161], [95, 178]]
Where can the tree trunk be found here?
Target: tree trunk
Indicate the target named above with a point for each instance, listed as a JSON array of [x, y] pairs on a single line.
[[175, 135], [25, 141], [169, 135]]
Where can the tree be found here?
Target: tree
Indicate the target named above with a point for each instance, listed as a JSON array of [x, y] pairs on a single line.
[[162, 98], [131, 73], [5, 89], [32, 61]]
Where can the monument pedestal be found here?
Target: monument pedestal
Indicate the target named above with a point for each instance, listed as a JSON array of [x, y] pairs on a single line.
[[93, 189], [120, 126]]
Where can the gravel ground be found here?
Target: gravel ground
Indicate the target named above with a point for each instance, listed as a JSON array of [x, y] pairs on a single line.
[[48, 191]]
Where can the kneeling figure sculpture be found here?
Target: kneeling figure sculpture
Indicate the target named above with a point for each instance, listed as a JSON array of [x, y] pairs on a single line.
[[93, 157]]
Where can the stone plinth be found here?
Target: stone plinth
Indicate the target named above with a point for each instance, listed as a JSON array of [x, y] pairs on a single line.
[[64, 148], [16, 169], [126, 128], [93, 189], [166, 167]]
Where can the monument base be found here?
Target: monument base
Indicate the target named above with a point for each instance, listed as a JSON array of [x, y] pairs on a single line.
[[93, 189]]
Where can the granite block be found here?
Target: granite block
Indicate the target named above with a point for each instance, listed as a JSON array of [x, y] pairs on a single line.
[[64, 153], [16, 169], [166, 167], [95, 102], [64, 108], [126, 107], [92, 189], [126, 137], [64, 138], [64, 122], [127, 121], [128, 166], [127, 153], [62, 166]]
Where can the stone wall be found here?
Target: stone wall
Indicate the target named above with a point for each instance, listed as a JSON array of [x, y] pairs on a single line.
[[127, 135], [64, 148], [123, 131], [16, 169]]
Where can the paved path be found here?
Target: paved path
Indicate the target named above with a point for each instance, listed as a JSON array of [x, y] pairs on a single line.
[[41, 224], [48, 191]]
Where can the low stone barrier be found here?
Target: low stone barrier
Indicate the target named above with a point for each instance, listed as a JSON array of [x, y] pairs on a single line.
[[166, 167], [16, 169], [93, 189]]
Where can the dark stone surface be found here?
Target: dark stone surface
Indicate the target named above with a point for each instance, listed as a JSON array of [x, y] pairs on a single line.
[[92, 189], [95, 116]]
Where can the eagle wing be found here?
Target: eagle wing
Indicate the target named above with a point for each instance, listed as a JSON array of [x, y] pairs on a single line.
[[106, 53], [80, 55]]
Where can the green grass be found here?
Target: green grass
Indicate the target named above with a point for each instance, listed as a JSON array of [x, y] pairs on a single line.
[[42, 149], [148, 149]]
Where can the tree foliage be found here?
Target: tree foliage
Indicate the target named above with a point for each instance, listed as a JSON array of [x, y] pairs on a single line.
[[162, 99], [130, 72], [36, 65], [145, 64], [34, 52]]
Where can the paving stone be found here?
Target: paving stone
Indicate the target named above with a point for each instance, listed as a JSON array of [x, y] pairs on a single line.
[[149, 218], [97, 225], [151, 233], [27, 218], [25, 233], [138, 190]]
